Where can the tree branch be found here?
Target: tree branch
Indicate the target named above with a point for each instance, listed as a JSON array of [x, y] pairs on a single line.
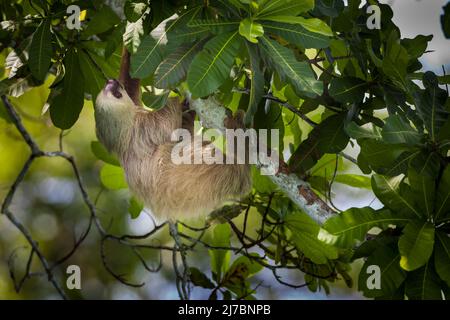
[[299, 191]]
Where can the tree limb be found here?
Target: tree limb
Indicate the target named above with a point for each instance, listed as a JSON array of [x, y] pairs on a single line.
[[299, 191]]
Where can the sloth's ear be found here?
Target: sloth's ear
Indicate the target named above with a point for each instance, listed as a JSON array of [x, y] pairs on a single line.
[[132, 86]]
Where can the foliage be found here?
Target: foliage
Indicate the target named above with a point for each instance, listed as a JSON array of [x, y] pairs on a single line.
[[310, 68]]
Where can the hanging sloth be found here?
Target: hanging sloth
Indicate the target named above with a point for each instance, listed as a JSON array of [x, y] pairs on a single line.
[[142, 141]]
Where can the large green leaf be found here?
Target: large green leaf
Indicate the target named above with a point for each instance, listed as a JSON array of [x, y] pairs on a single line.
[[305, 232], [347, 89], [299, 74], [41, 50], [354, 180], [424, 189], [442, 256], [101, 21], [395, 62], [147, 57], [387, 159], [215, 26], [297, 34], [66, 107], [397, 130], [392, 193], [443, 196], [283, 8], [416, 244], [151, 50], [353, 224], [430, 104], [328, 137], [174, 67], [257, 83], [391, 277], [357, 132], [423, 284], [212, 66], [94, 79], [311, 24]]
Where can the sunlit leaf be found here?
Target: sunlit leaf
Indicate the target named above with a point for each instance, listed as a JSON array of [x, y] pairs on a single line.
[[416, 244]]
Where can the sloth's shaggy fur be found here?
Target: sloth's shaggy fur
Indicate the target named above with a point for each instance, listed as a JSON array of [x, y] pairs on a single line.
[[141, 140]]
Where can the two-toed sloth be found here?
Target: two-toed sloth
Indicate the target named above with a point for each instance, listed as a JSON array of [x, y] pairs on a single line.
[[142, 141]]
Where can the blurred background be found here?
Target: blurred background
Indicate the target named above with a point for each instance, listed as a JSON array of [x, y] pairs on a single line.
[[50, 205]]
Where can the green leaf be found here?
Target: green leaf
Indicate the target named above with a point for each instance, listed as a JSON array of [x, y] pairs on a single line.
[[147, 57], [423, 284], [101, 21], [357, 132], [297, 34], [155, 101], [354, 180], [151, 50], [392, 276], [417, 46], [397, 130], [311, 24], [174, 67], [424, 189], [113, 177], [388, 159], [328, 137], [430, 104], [416, 244], [66, 107], [94, 79], [395, 62], [101, 153], [443, 196], [135, 207], [262, 183], [215, 26], [41, 50], [115, 39], [353, 224], [199, 279], [240, 270], [347, 89], [305, 233], [257, 83], [250, 30], [284, 8], [392, 193], [212, 66], [220, 259], [330, 8], [298, 74], [442, 256]]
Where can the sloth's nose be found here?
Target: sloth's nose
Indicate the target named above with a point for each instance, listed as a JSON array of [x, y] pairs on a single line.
[[112, 85]]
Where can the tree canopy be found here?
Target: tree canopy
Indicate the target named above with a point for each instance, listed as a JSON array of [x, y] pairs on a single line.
[[352, 104]]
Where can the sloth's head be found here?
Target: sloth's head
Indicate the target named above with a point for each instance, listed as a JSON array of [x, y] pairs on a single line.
[[113, 95]]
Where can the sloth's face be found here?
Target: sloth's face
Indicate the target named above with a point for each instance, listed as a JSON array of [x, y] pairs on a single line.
[[113, 86], [113, 95]]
